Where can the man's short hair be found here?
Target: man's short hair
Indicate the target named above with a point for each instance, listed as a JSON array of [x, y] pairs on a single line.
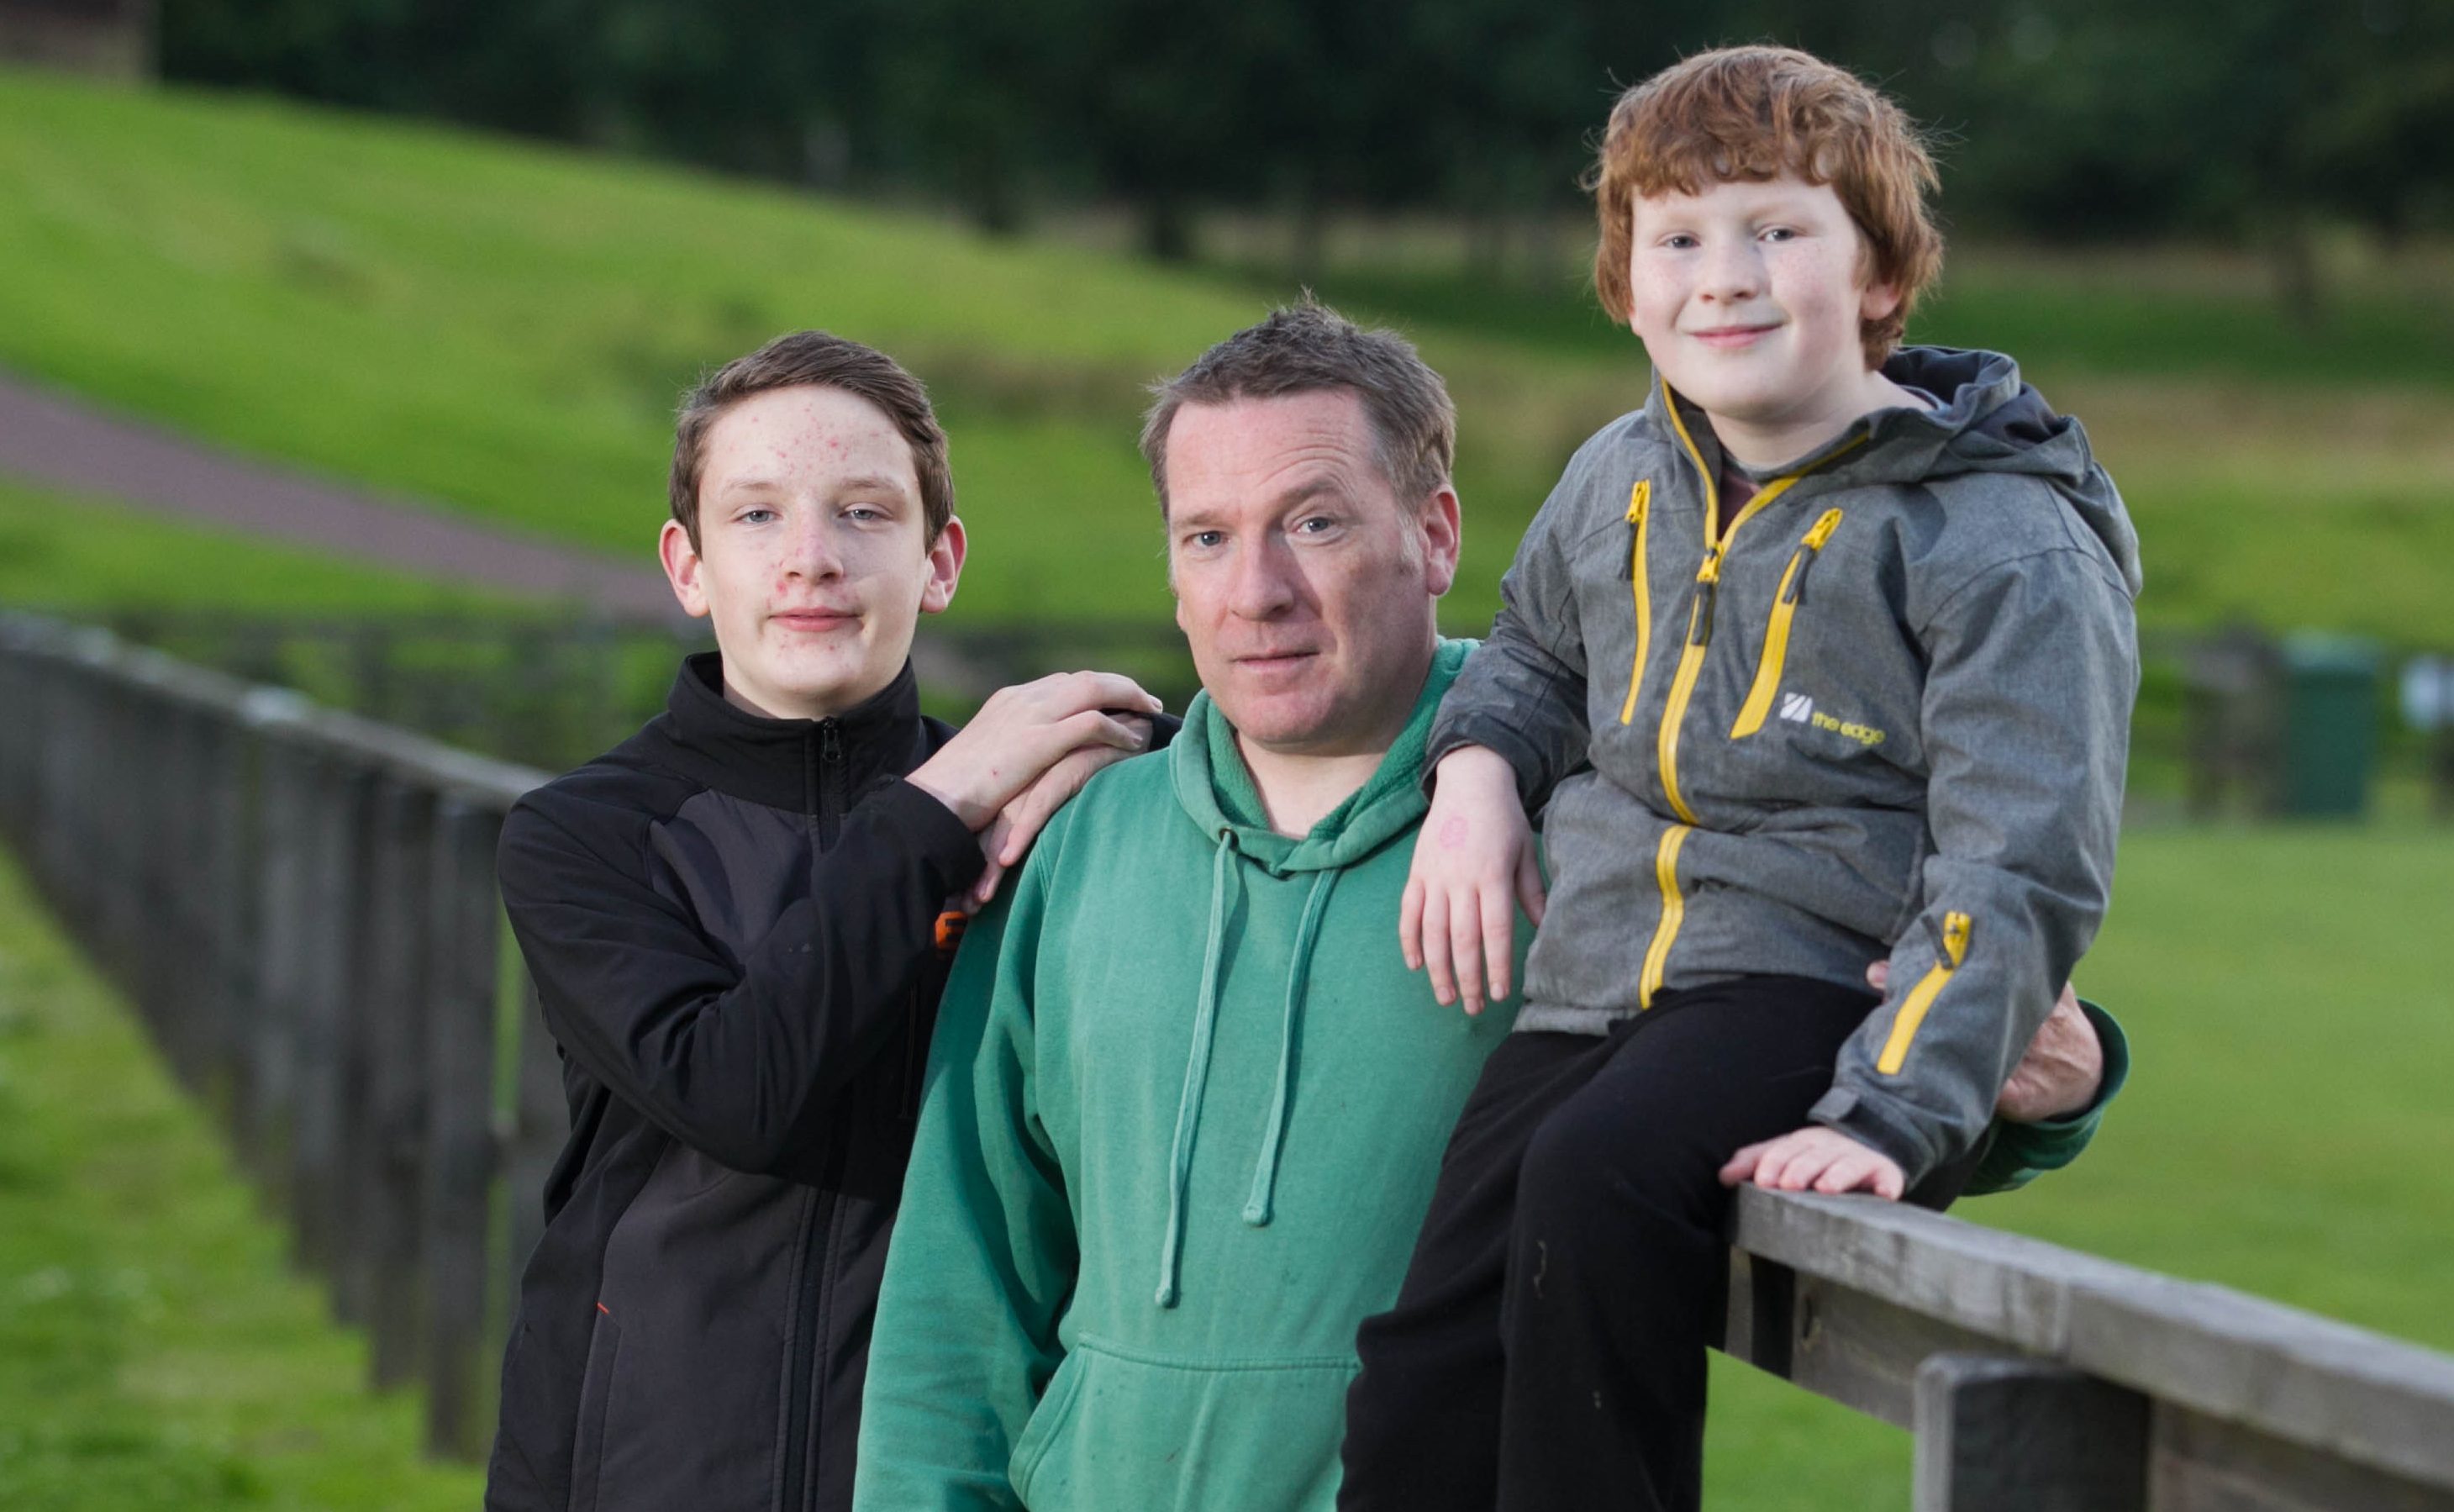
[[816, 359], [1755, 112], [1309, 347]]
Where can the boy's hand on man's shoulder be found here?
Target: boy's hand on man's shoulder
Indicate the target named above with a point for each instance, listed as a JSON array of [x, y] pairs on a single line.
[[1817, 1160], [1028, 749], [1474, 866]]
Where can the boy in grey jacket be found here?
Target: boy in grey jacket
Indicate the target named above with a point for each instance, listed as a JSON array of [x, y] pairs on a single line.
[[1822, 658]]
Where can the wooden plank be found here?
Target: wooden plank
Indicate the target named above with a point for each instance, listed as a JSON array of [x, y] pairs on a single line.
[[2199, 1463], [328, 1077], [459, 1166], [2374, 1399], [1998, 1434]]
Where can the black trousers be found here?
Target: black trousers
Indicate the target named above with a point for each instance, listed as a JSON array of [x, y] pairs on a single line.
[[1547, 1349]]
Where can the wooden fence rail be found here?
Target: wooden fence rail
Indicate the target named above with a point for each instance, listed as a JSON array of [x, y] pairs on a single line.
[[302, 906]]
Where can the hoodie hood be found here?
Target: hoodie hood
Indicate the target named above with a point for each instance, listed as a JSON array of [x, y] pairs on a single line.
[[1215, 790], [1986, 420]]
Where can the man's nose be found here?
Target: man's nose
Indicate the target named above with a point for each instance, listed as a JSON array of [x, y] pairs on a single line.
[[1264, 581]]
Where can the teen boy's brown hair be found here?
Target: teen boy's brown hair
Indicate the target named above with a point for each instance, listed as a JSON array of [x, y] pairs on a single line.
[[819, 360], [1755, 112]]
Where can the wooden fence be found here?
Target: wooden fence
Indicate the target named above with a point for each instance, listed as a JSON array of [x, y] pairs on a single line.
[[302, 905]]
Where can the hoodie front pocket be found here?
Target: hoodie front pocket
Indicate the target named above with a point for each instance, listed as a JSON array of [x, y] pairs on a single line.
[[1122, 1428], [1784, 609]]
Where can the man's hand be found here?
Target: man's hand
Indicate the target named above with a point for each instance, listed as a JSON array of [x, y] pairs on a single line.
[[1021, 732], [1474, 864], [2062, 1071], [1817, 1159], [1008, 839]]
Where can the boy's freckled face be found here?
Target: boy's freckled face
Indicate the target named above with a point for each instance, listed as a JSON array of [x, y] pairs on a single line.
[[1748, 298], [812, 562]]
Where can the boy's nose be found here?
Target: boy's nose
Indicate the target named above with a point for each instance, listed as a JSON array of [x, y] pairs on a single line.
[[811, 553], [1732, 273]]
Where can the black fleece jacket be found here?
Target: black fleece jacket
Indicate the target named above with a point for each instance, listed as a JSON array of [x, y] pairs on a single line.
[[733, 924]]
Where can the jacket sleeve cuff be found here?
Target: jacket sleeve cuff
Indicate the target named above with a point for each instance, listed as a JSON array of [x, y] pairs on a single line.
[[2023, 1151], [1495, 736], [1865, 1120]]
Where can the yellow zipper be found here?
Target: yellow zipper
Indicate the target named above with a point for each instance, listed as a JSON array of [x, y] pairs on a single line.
[[1674, 911], [1639, 499], [1956, 930], [1708, 576], [1784, 605]]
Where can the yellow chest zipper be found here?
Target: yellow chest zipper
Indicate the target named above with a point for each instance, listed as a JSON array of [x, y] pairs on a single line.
[[1708, 577], [1639, 501], [1784, 606]]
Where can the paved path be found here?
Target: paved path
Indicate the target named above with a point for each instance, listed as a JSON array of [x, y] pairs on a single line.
[[49, 437]]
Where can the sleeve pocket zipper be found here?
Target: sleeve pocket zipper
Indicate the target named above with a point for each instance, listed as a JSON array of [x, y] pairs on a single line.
[[1784, 607], [1950, 957]]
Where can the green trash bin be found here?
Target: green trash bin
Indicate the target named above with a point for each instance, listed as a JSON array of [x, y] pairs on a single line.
[[2330, 724]]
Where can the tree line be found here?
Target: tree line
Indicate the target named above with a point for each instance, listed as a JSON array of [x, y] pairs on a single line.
[[2076, 120]]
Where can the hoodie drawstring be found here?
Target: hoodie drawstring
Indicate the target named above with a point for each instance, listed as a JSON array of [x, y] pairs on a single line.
[[1196, 1070], [1265, 1172]]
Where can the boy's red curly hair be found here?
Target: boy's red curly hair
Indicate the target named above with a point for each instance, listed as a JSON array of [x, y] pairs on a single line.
[[1755, 112]]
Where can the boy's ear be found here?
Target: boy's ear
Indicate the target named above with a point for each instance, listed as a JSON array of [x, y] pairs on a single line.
[[682, 564], [1878, 301], [945, 568]]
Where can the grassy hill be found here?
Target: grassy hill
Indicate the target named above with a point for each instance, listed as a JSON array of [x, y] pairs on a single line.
[[503, 328]]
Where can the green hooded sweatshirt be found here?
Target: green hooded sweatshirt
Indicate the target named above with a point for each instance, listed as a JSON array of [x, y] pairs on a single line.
[[1184, 1111]]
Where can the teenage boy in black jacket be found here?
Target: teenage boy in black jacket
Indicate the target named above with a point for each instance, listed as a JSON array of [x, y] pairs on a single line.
[[738, 922]]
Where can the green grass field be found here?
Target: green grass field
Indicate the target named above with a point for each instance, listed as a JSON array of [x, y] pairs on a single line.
[[2283, 1133], [504, 327], [155, 1350]]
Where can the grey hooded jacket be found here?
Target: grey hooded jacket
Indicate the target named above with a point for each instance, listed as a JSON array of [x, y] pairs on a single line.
[[1886, 715]]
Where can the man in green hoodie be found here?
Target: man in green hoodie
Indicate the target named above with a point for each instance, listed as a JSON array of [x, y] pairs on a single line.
[[1185, 1102]]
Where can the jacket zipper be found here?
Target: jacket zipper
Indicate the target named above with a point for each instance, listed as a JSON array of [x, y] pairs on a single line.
[[1951, 954], [1784, 606], [1708, 577], [1639, 500], [1674, 911], [824, 787]]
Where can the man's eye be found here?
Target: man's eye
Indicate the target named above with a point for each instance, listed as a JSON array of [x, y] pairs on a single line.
[[1316, 524], [1205, 539]]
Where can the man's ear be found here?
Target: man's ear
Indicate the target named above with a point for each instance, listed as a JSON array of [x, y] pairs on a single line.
[[1443, 529], [682, 564], [945, 568]]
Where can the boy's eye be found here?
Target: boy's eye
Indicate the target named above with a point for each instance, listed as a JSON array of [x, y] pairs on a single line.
[[756, 517], [1679, 241], [1779, 233]]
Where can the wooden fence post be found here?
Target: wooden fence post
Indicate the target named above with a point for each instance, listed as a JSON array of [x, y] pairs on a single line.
[[286, 947], [328, 1077], [389, 1155], [459, 1167], [2003, 1434]]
